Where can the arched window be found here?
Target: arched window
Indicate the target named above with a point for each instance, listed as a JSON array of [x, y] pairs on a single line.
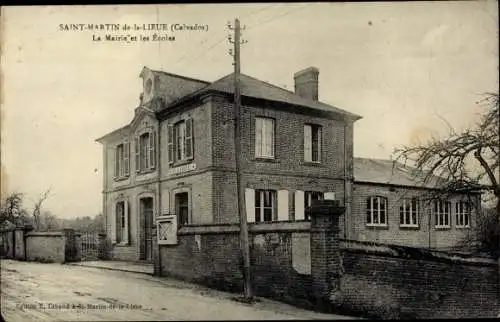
[[376, 211]]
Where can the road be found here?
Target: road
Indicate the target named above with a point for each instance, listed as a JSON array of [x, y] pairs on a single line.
[[35, 291]]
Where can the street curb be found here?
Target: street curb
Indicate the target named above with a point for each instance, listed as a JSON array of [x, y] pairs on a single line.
[[112, 269]]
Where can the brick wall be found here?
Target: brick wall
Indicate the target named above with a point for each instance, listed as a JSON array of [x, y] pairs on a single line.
[[393, 282], [424, 235]]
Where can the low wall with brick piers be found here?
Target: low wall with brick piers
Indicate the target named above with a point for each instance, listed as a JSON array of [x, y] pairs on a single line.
[[306, 264], [59, 246]]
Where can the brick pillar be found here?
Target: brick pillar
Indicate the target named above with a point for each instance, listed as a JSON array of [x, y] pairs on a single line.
[[325, 252]]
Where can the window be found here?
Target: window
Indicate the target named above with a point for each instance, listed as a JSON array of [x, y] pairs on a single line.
[[182, 208], [441, 210], [265, 205], [121, 222], [309, 196], [264, 137], [462, 212], [180, 141], [376, 211], [312, 143], [408, 213], [122, 163], [145, 154]]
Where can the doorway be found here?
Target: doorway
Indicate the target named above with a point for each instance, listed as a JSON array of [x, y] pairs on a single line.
[[146, 227]]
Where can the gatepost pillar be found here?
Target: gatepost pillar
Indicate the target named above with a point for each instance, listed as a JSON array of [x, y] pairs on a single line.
[[325, 253]]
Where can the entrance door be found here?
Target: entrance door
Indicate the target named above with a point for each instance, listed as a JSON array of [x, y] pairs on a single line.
[[146, 226]]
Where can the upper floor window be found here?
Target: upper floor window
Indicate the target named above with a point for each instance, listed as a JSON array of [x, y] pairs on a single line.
[[441, 210], [376, 211], [408, 213], [180, 141], [312, 143], [309, 196], [265, 205], [462, 212], [145, 154], [264, 137], [122, 163]]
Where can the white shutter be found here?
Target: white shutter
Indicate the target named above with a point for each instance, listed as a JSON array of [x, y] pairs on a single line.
[[299, 205], [189, 139], [329, 196], [258, 137], [250, 204], [112, 218], [152, 150], [282, 204], [126, 158], [125, 232], [307, 143], [137, 149], [170, 144]]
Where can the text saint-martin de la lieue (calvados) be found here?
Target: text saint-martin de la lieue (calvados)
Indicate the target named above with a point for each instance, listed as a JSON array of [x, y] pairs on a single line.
[[160, 27]]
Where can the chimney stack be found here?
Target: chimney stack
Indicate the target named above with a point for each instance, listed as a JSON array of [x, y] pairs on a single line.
[[306, 83]]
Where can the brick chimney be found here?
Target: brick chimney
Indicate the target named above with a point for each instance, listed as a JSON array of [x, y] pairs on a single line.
[[306, 83]]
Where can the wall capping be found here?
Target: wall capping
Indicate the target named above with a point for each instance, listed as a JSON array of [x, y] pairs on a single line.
[[277, 226]]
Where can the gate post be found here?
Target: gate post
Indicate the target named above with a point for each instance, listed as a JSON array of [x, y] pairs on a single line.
[[325, 252]]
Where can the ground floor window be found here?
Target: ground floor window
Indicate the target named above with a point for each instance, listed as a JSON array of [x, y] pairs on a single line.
[[462, 211], [182, 208], [121, 226], [441, 210], [265, 205], [408, 213], [376, 211], [309, 197]]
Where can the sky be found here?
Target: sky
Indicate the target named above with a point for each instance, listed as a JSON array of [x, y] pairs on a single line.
[[409, 68]]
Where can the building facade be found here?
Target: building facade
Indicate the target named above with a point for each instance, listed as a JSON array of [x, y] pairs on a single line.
[[177, 157]]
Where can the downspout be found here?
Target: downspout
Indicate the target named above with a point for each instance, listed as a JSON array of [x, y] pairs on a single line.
[[158, 162], [347, 212]]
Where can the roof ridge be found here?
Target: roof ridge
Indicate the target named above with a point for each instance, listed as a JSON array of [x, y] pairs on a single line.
[[181, 76], [270, 84]]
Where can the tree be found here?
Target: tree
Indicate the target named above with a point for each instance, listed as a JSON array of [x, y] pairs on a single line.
[[465, 161], [37, 208], [12, 210]]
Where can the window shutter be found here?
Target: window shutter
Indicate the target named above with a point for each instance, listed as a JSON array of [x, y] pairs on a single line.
[[258, 137], [117, 160], [126, 158], [320, 142], [250, 204], [189, 138], [329, 196], [125, 237], [152, 149], [299, 205], [137, 155], [170, 143], [307, 143], [283, 205]]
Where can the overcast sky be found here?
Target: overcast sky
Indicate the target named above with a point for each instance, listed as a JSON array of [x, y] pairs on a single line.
[[403, 66]]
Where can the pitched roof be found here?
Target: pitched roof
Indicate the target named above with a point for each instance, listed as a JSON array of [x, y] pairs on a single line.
[[252, 87], [390, 172]]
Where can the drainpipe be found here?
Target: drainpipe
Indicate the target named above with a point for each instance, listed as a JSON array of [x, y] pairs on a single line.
[[347, 212]]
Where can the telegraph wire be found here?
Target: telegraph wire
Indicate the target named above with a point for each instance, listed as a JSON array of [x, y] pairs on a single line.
[[259, 24]]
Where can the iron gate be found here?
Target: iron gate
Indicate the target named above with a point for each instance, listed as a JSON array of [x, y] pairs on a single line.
[[90, 245]]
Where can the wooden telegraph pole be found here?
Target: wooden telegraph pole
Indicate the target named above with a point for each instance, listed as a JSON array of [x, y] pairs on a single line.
[[244, 242]]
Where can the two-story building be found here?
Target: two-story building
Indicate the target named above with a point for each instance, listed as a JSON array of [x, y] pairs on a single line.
[[177, 157]]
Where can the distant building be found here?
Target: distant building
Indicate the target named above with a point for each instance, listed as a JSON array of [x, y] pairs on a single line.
[[177, 157]]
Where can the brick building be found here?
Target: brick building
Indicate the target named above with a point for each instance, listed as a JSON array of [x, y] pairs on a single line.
[[177, 157]]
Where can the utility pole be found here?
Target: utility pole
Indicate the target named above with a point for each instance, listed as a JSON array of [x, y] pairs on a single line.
[[244, 242]]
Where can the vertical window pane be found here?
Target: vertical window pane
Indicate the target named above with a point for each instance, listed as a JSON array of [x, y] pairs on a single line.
[[268, 214]]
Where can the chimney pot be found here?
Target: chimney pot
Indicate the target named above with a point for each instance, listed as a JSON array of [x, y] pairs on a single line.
[[306, 83]]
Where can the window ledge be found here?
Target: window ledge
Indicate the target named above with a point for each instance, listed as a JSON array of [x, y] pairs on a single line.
[[122, 244], [462, 227], [142, 172], [312, 163], [409, 227], [266, 159], [117, 179], [377, 226], [442, 227], [179, 163]]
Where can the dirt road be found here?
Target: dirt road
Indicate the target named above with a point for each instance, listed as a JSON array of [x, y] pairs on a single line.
[[35, 291]]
